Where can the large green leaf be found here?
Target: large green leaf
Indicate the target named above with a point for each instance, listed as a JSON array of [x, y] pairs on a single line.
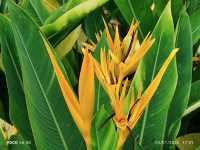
[[104, 134], [195, 23], [36, 10], [72, 17], [51, 123], [75, 60], [140, 11], [62, 38], [71, 73], [67, 44], [177, 6], [67, 18], [93, 23], [194, 100], [152, 125], [17, 104], [183, 41], [60, 11]]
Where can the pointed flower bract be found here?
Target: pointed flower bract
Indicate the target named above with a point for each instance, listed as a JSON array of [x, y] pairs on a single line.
[[82, 109]]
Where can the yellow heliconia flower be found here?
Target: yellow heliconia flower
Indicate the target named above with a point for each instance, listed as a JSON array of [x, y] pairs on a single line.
[[124, 52], [82, 109], [122, 60], [137, 109], [126, 120]]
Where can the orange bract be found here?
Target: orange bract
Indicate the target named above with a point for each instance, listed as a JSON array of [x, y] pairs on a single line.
[[82, 109]]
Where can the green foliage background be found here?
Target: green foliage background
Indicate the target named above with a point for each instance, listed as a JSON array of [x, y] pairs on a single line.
[[30, 96]]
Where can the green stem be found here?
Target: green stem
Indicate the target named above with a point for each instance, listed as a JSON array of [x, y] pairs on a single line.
[[71, 16]]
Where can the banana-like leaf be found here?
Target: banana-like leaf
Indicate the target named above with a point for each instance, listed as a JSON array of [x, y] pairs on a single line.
[[67, 44], [17, 104], [71, 72], [52, 126], [74, 58], [36, 9], [140, 11], [152, 125], [195, 23], [72, 17], [177, 6], [104, 134], [194, 100], [147, 12], [62, 35], [64, 8], [183, 41], [93, 23]]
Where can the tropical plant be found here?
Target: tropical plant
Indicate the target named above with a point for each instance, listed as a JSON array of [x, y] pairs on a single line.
[[99, 74]]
